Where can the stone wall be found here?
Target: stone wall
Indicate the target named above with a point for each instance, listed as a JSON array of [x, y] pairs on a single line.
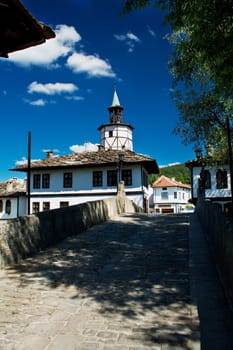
[[26, 235], [219, 229]]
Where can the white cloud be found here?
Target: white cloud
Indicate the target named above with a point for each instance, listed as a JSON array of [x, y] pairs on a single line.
[[129, 39], [48, 53], [86, 147], [74, 98], [89, 64], [55, 150], [40, 102], [132, 37], [170, 164], [127, 36], [151, 32], [51, 88], [24, 161]]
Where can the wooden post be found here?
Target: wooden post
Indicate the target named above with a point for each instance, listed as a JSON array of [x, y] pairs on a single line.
[[230, 160], [29, 174]]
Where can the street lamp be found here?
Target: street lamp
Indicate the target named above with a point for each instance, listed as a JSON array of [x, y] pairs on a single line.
[[198, 153], [121, 157], [202, 162]]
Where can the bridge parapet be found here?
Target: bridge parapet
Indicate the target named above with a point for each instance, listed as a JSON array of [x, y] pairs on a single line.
[[219, 229], [27, 235]]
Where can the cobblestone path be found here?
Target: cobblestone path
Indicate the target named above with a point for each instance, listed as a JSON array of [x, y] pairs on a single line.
[[122, 285]]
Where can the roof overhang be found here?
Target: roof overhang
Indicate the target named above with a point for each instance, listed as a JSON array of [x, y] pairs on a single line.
[[19, 29], [92, 160], [115, 124]]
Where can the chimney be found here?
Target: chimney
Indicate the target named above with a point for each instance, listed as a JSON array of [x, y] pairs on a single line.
[[49, 154], [100, 148]]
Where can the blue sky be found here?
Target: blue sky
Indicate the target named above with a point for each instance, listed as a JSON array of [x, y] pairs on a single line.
[[60, 90]]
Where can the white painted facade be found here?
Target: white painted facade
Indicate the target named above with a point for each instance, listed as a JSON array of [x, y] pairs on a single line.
[[116, 136], [170, 196], [171, 199], [82, 189], [214, 192], [12, 207], [12, 198]]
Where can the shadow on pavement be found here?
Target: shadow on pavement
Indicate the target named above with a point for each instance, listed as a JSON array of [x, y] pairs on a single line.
[[136, 268]]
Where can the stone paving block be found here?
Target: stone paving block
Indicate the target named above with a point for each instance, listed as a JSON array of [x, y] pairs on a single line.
[[71, 343], [33, 342], [120, 285]]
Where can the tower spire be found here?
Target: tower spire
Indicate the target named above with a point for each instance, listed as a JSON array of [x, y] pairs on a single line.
[[115, 109]]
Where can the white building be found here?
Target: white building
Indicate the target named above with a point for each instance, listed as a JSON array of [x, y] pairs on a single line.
[[170, 196], [12, 198], [216, 183], [80, 177]]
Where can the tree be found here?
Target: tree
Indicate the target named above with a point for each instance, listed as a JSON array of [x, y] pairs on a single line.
[[202, 108], [179, 171], [201, 65], [210, 27]]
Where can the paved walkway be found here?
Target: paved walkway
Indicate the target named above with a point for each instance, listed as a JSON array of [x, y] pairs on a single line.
[[124, 284]]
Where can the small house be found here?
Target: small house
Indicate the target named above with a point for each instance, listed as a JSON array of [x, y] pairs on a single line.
[[12, 198], [170, 196]]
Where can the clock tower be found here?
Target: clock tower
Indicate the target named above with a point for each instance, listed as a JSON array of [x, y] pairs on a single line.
[[116, 135]]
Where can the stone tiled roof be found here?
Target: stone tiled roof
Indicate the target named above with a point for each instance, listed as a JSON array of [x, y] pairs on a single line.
[[12, 187], [92, 159], [164, 181]]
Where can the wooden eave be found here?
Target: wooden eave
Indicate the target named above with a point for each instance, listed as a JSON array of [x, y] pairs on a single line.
[[111, 124], [19, 29], [12, 194]]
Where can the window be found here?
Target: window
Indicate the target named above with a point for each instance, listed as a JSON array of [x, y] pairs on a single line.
[[110, 133], [67, 180], [221, 178], [45, 180], [127, 177], [175, 195], [1, 206], [35, 207], [97, 178], [207, 179], [112, 177], [8, 206], [144, 179], [36, 181], [46, 206], [164, 195], [64, 204]]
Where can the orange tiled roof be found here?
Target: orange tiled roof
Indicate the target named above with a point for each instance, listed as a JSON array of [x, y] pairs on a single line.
[[164, 181]]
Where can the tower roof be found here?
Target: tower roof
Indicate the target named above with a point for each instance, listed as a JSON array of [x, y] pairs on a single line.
[[115, 100]]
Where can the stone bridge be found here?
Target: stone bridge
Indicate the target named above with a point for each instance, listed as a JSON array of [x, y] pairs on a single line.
[[133, 282]]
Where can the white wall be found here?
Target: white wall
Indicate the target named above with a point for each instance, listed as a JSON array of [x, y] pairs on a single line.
[[183, 195], [82, 189], [122, 136], [177, 204], [18, 206], [213, 192]]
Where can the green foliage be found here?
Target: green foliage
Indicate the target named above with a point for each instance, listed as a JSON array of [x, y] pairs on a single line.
[[201, 67], [209, 25], [179, 171]]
